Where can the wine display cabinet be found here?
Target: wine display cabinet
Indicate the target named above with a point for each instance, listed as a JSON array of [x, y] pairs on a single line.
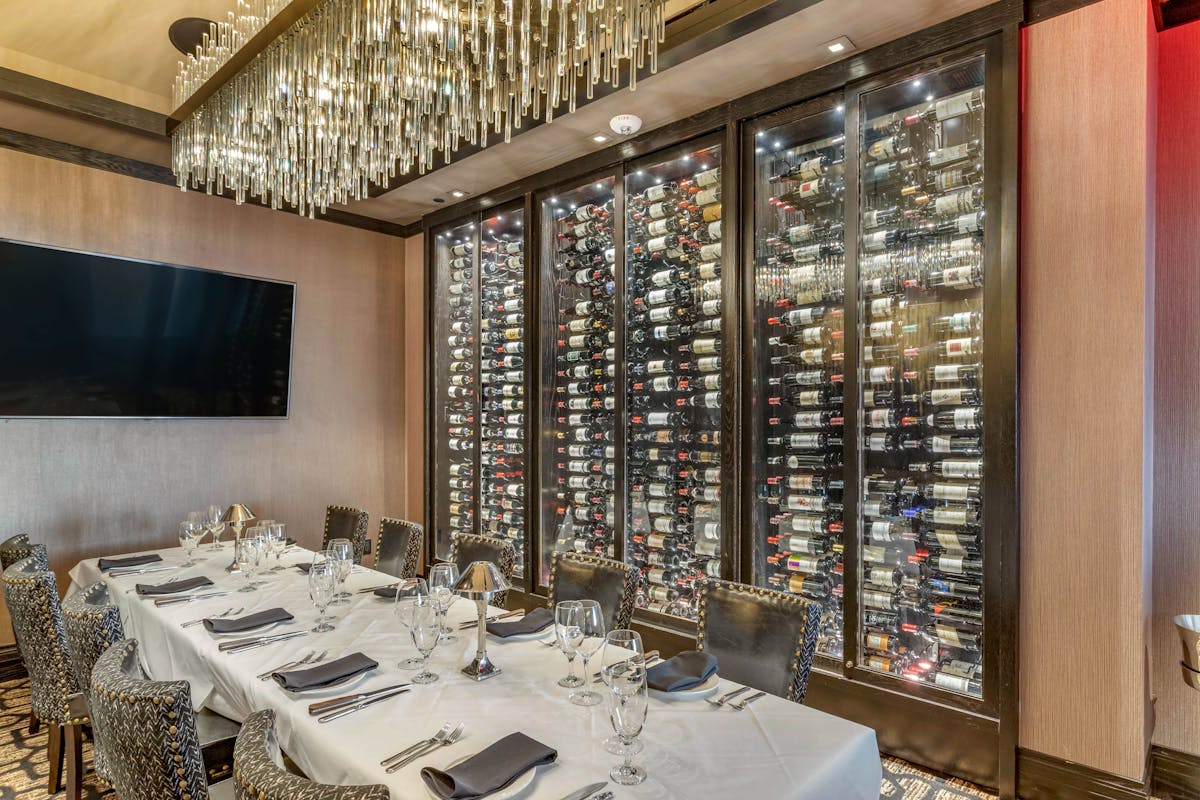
[[778, 350]]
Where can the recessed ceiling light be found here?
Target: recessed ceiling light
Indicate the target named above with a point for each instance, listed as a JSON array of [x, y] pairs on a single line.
[[458, 193], [439, 199], [841, 108], [839, 45], [599, 138]]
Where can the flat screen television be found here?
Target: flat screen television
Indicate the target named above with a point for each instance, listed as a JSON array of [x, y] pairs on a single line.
[[86, 335]]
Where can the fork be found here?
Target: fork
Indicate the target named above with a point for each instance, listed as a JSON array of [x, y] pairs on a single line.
[[446, 742], [725, 698], [741, 704], [229, 612], [311, 658], [437, 737]]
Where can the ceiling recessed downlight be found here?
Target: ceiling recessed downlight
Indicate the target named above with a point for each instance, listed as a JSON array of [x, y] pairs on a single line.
[[599, 138], [458, 193], [840, 45]]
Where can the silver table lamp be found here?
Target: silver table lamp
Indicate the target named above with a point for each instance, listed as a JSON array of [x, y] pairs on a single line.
[[479, 581], [236, 516]]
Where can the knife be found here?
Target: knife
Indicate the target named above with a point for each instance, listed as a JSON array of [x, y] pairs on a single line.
[[586, 791], [170, 601], [332, 705], [360, 705], [475, 622], [121, 573], [241, 645]]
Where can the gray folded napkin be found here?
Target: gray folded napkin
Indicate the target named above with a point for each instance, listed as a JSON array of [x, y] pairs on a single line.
[[390, 591], [173, 588], [106, 564], [324, 674], [684, 671], [489, 770], [532, 622], [304, 567], [248, 622]]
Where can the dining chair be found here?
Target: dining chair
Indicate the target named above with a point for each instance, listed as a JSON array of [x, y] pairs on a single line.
[[761, 637], [470, 547], [586, 576], [150, 731], [257, 774], [345, 522], [14, 549], [93, 624], [399, 553], [31, 594]]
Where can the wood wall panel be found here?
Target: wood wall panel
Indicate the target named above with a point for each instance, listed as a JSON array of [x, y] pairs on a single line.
[[94, 487], [415, 321], [1177, 399], [1086, 297]]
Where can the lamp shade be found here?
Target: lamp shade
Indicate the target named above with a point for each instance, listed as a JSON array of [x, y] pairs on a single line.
[[481, 579], [237, 513]]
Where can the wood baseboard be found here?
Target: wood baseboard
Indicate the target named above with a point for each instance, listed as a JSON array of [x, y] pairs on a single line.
[[11, 667], [1045, 777], [1174, 775]]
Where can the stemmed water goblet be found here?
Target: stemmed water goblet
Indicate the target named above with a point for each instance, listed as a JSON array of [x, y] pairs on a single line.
[[589, 619], [408, 597], [623, 669], [341, 552], [212, 522], [425, 632], [442, 578], [276, 543], [248, 554], [322, 583], [568, 635]]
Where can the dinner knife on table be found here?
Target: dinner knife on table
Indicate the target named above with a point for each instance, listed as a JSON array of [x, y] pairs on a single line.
[[186, 598], [332, 705], [362, 704], [241, 645], [586, 791]]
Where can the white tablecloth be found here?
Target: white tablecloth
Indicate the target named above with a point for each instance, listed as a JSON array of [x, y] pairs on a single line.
[[773, 750]]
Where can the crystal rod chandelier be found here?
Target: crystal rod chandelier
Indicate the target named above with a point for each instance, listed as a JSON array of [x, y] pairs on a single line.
[[357, 90]]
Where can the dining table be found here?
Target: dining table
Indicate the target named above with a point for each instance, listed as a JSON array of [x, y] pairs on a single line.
[[774, 749]]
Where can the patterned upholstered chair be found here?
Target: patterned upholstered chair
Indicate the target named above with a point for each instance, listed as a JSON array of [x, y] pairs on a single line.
[[258, 776], [31, 594], [93, 624], [14, 549], [470, 547], [399, 553], [344, 522], [584, 576], [761, 637], [149, 731]]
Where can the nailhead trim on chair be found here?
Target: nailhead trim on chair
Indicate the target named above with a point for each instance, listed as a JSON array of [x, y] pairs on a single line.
[[93, 624], [412, 553], [358, 537], [628, 593]]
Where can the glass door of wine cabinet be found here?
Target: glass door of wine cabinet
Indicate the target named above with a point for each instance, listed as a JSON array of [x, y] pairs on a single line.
[[920, 318], [578, 370], [503, 371], [455, 346], [797, 354], [672, 355]]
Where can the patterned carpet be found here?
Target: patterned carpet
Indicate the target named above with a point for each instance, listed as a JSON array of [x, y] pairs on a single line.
[[23, 768]]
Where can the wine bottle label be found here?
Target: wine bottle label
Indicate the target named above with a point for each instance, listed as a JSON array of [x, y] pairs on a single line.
[[881, 531], [884, 148], [945, 397], [709, 270], [946, 373], [708, 547], [809, 398], [807, 524], [873, 242], [874, 554], [814, 355], [806, 502], [948, 540], [951, 491], [874, 286], [881, 576], [874, 508], [950, 515], [663, 524], [801, 233], [955, 203], [709, 252], [803, 564], [880, 417], [711, 213], [965, 419], [665, 383], [966, 246], [809, 419], [952, 682], [881, 329], [969, 223], [947, 635], [948, 155], [658, 210], [714, 230], [940, 444], [656, 193], [708, 177], [661, 314], [662, 278], [878, 442], [658, 227], [801, 277], [876, 599], [707, 197], [654, 367], [951, 107], [710, 308], [711, 290]]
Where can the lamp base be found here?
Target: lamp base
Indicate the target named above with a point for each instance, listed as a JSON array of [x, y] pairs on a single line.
[[481, 669]]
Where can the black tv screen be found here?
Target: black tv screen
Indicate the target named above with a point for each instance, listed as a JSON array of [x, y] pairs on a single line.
[[84, 335]]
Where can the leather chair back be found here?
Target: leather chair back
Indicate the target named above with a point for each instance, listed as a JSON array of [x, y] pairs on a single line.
[[399, 553], [761, 637], [469, 547], [584, 576], [344, 522], [93, 624], [31, 594], [150, 729], [258, 776]]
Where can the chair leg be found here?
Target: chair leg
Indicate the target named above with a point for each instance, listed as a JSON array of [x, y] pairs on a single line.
[[74, 758], [34, 723], [54, 753]]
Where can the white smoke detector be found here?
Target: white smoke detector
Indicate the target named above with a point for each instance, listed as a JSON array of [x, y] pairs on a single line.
[[625, 124]]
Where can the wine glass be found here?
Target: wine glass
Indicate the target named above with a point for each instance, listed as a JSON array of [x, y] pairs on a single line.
[[425, 633], [568, 634], [322, 582], [212, 521], [247, 553], [589, 619], [189, 537], [623, 668], [276, 542], [442, 578], [620, 646], [341, 552], [407, 598]]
